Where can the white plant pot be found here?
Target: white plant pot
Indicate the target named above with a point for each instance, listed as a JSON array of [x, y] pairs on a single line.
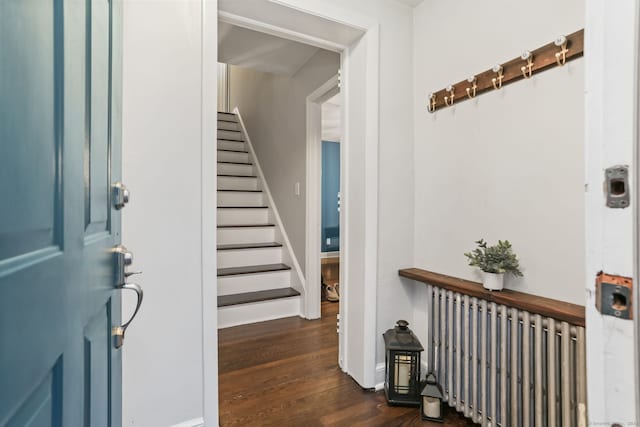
[[493, 281]]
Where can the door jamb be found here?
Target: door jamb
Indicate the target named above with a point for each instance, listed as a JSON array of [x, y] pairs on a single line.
[[209, 185], [312, 298]]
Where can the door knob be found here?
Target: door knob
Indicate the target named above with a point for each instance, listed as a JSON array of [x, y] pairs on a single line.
[[118, 331], [123, 259], [120, 195]]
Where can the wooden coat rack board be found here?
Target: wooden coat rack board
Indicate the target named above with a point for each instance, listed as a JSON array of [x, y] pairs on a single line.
[[541, 59]]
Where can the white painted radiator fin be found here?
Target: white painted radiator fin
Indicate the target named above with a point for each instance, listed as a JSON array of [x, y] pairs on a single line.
[[501, 366]]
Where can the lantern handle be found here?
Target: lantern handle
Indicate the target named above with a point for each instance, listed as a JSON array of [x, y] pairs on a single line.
[[402, 325]]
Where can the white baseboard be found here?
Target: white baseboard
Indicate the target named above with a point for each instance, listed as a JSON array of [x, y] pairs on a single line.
[[196, 422], [379, 378]]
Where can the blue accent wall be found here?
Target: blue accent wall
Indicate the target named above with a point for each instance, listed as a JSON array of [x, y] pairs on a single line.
[[330, 193]]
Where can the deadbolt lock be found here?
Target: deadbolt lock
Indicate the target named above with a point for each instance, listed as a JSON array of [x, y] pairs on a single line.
[[120, 195]]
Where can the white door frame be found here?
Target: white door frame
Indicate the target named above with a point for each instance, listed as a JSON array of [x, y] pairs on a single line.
[[611, 58], [209, 134], [315, 100], [358, 320]]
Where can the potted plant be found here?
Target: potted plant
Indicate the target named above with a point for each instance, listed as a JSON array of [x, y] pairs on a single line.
[[494, 261]]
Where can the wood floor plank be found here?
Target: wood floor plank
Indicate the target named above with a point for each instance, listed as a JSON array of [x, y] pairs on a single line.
[[285, 373]]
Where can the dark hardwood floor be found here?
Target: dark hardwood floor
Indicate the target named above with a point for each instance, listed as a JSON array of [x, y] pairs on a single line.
[[285, 373]]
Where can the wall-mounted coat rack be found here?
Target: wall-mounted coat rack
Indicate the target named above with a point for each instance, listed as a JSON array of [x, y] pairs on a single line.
[[554, 54]]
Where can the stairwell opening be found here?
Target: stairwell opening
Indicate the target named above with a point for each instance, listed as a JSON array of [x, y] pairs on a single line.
[[262, 174]]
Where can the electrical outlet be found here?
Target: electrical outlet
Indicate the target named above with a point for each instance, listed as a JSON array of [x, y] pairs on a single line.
[[296, 189]]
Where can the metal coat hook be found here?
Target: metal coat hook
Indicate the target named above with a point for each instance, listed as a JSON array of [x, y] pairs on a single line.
[[561, 57], [471, 91], [431, 107], [449, 99], [497, 80], [527, 69]]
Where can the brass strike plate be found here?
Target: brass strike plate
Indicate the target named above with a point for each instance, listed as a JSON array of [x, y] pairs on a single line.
[[614, 295]]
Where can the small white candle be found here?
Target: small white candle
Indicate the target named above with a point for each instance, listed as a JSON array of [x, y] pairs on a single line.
[[403, 374], [431, 407]]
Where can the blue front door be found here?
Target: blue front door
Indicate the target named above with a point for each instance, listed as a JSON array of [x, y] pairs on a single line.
[[59, 157]]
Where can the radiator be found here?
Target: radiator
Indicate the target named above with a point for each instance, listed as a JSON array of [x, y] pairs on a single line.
[[501, 366]]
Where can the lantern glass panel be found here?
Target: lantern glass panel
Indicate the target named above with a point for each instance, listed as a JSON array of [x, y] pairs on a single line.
[[405, 367], [431, 407]]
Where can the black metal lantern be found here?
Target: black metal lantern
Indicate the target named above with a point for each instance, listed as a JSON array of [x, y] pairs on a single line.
[[402, 366], [431, 405]]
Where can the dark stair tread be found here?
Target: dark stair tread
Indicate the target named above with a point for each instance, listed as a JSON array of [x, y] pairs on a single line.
[[249, 297], [231, 140], [249, 246], [228, 121], [238, 163], [243, 207], [251, 269], [232, 151], [246, 225], [237, 176], [243, 191], [230, 130]]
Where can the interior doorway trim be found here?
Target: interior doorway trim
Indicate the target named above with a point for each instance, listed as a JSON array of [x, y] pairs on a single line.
[[311, 305], [359, 157]]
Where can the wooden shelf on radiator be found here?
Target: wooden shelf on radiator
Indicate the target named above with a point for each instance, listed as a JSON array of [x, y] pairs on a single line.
[[560, 310]]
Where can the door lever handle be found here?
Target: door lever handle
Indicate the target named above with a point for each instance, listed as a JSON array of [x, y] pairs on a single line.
[[118, 331]]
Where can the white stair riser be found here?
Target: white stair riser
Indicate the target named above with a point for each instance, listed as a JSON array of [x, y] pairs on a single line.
[[258, 312], [231, 145], [230, 156], [244, 257], [229, 236], [229, 285], [222, 125], [227, 134], [242, 216], [227, 117], [236, 183], [234, 169], [231, 198]]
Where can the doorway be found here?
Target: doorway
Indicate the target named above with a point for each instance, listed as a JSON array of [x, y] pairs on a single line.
[[358, 45]]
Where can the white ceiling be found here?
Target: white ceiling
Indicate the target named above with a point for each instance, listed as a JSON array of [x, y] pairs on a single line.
[[287, 18], [259, 51]]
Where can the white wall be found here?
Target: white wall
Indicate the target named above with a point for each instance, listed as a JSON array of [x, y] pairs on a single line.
[[509, 164], [162, 355], [273, 109], [331, 120]]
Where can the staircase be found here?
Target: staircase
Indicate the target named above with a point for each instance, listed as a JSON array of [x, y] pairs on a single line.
[[254, 275]]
